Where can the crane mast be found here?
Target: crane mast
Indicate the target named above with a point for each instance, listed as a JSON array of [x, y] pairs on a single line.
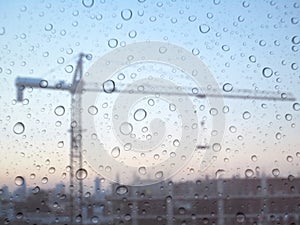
[[76, 184]]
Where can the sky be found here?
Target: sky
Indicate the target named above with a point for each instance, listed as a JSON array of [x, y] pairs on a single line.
[[251, 45]]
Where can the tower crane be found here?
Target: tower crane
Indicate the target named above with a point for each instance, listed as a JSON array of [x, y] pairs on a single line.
[[76, 185]]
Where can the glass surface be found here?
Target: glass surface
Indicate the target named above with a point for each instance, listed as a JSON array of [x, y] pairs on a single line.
[[149, 112]]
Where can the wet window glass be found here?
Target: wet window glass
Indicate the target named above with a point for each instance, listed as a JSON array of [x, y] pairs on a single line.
[[149, 112]]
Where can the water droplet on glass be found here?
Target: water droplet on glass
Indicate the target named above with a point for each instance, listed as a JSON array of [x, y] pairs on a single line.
[[51, 170], [126, 14], [246, 115], [254, 158], [276, 172], [19, 181], [216, 147], [294, 66], [44, 180], [225, 48], [121, 190], [213, 111], [252, 58], [81, 174], [19, 128], [289, 158], [204, 28], [151, 102], [176, 143], [142, 170], [95, 219], [112, 43], [172, 107], [296, 40], [60, 144], [132, 34], [115, 152], [88, 3], [109, 86], [43, 83], [59, 110], [126, 128], [69, 68], [278, 135], [240, 217], [93, 110], [36, 190], [140, 114], [19, 215], [48, 27], [296, 106], [267, 72], [159, 174], [227, 87], [2, 30], [249, 173]]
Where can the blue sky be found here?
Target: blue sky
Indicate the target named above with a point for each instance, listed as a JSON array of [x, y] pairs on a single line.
[[42, 38]]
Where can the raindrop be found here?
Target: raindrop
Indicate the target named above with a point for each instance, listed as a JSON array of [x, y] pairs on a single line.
[[240, 217], [276, 172], [159, 174], [121, 190], [132, 34], [151, 102], [213, 111], [288, 117], [254, 158], [295, 40], [112, 43], [115, 152], [2, 30], [216, 147], [176, 143], [126, 14], [126, 128], [19, 181], [109, 86], [232, 129], [19, 128], [88, 3], [35, 190], [69, 68], [60, 144], [296, 106], [59, 110], [289, 158], [81, 174], [227, 87], [142, 170], [51, 170], [294, 66], [246, 115], [294, 20], [225, 48], [278, 135], [195, 51], [172, 107], [48, 27], [192, 18], [44, 180], [127, 217], [249, 173], [43, 83], [140, 114], [252, 58], [267, 72], [19, 215], [95, 219], [204, 28], [93, 110]]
